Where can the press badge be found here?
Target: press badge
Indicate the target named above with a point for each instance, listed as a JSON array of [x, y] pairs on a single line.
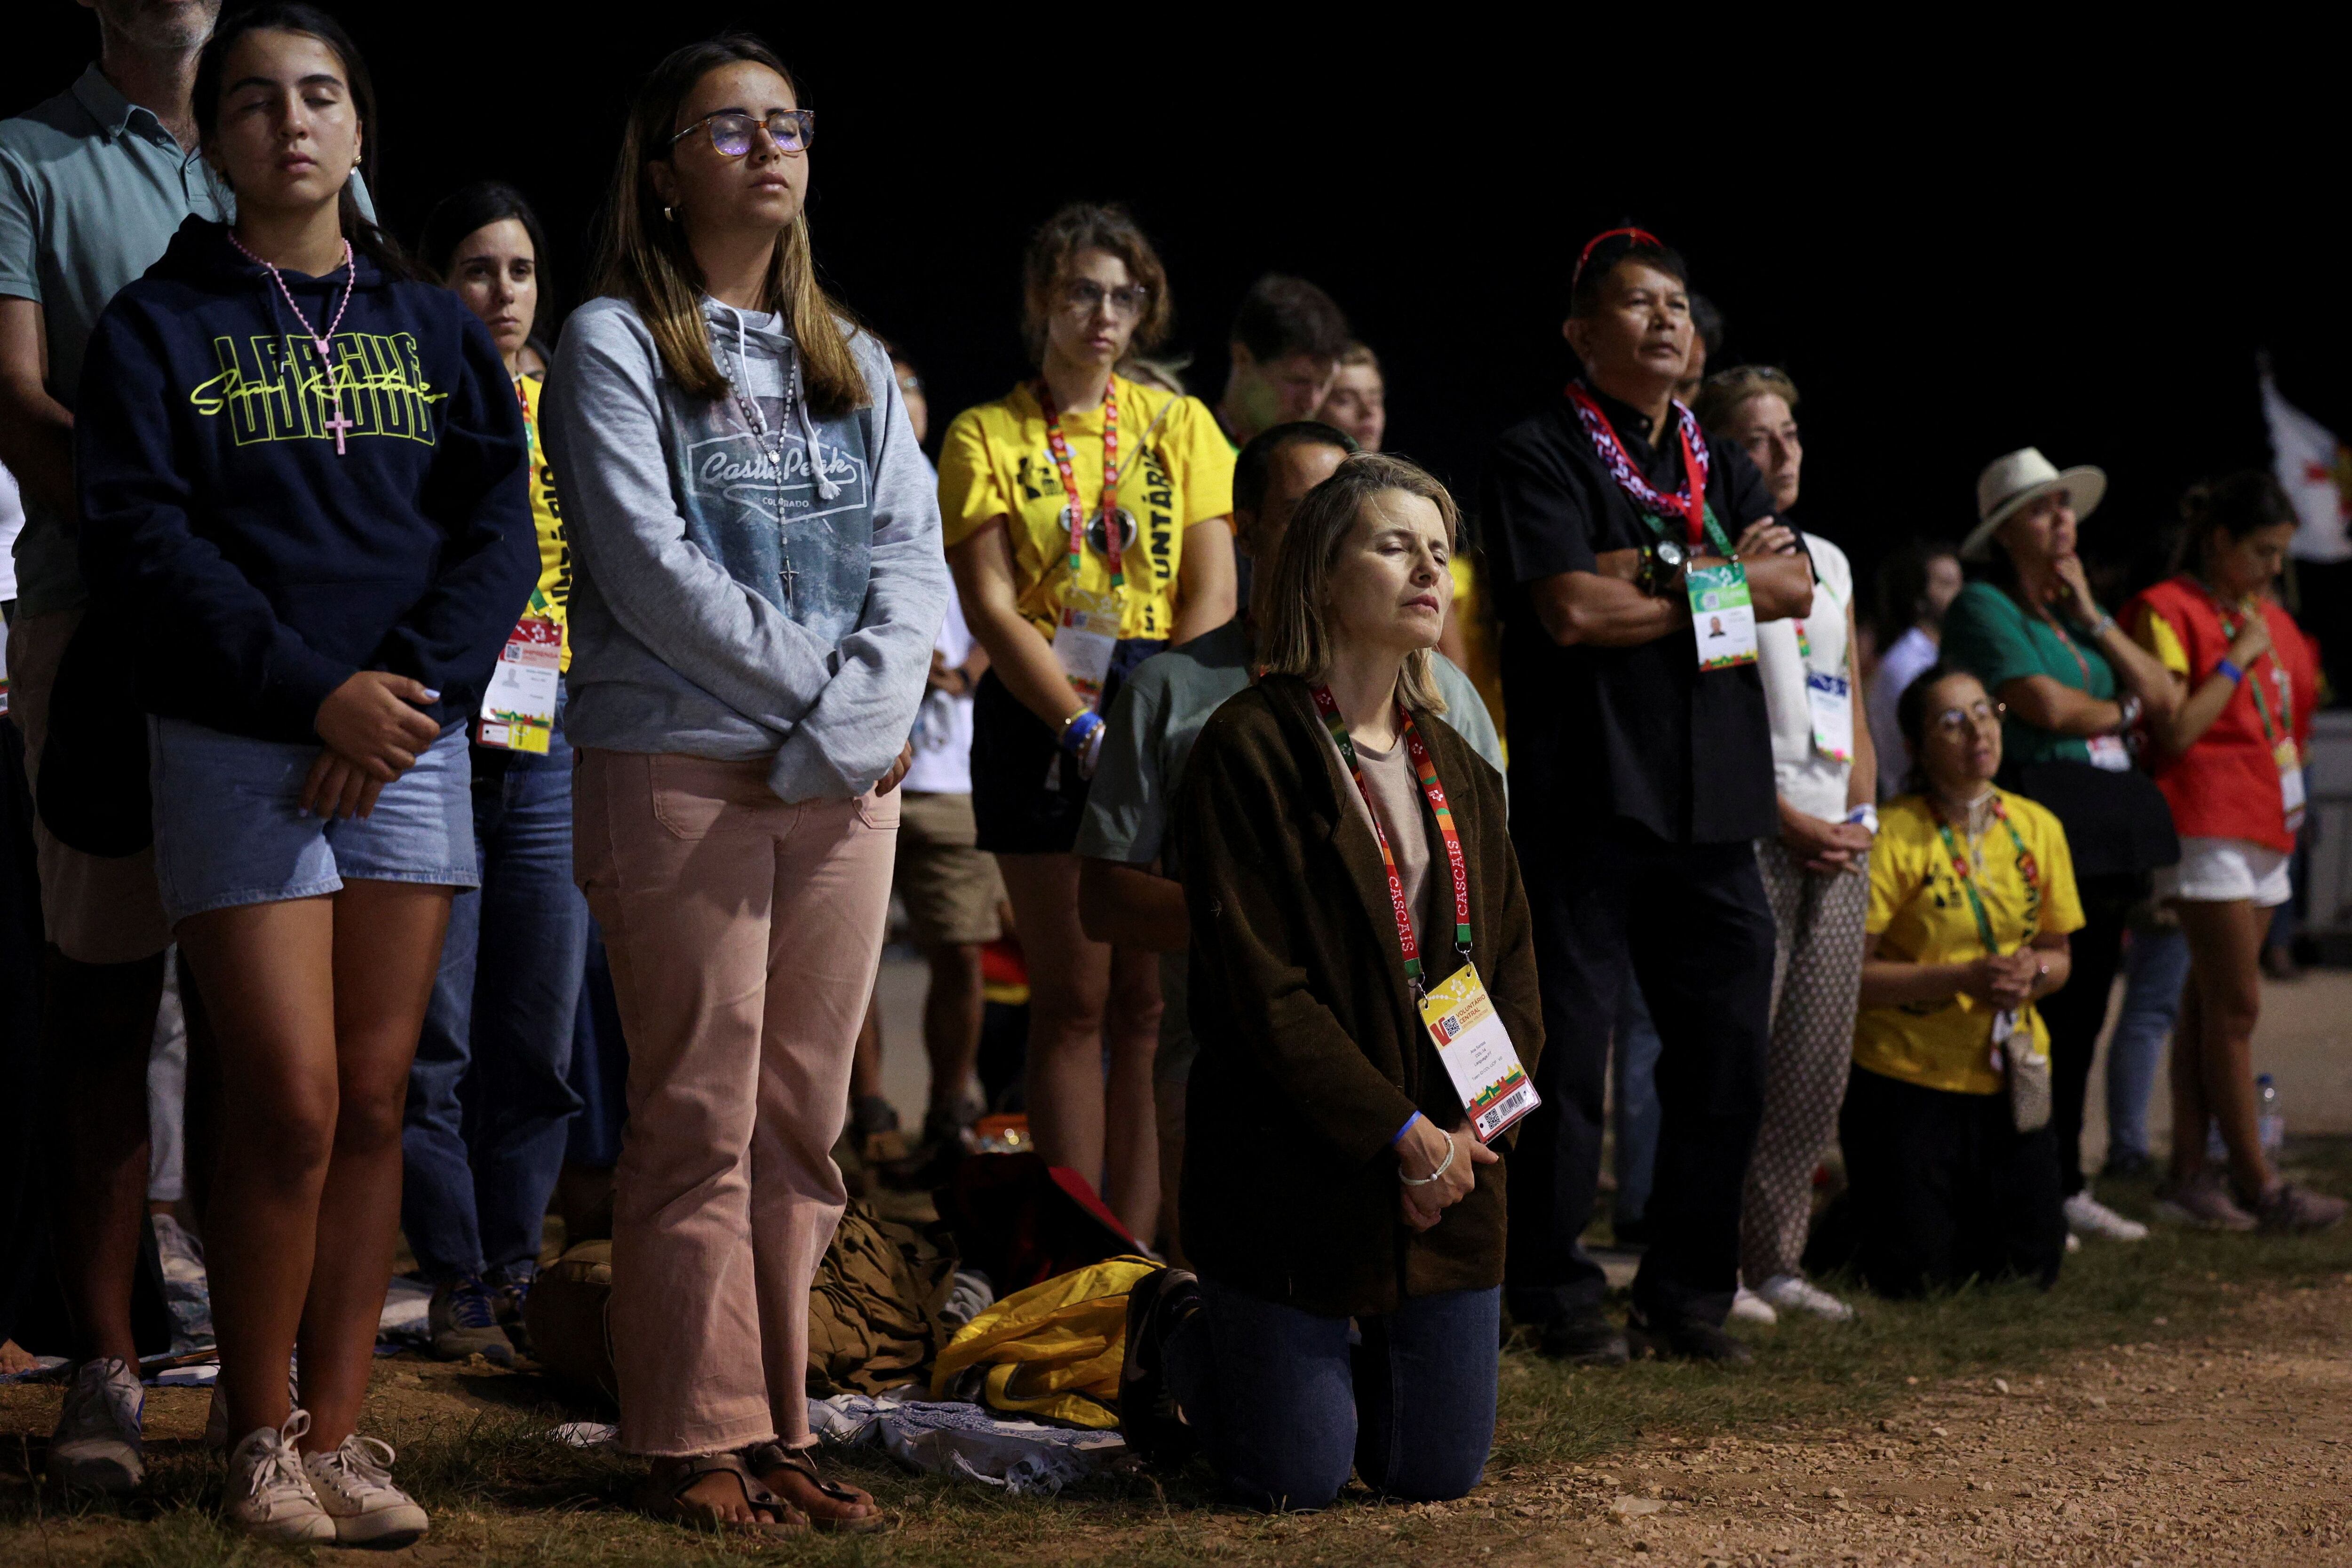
[[1477, 1053], [2109, 752], [1085, 638], [1831, 699], [2290, 769], [518, 707], [1723, 618]]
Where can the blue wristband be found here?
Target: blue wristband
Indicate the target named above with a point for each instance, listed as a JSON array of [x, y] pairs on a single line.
[[1075, 733], [1401, 1132], [2237, 676]]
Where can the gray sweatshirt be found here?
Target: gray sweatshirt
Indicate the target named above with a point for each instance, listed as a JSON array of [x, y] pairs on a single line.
[[683, 636]]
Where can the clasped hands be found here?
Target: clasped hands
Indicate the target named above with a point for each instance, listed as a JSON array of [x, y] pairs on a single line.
[[2006, 979], [375, 727], [1421, 1150]]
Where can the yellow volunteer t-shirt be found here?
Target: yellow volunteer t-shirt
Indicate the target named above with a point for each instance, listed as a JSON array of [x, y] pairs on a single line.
[[995, 463], [552, 596], [1920, 913]]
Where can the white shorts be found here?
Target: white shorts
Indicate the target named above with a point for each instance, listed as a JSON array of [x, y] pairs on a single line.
[[2214, 871]]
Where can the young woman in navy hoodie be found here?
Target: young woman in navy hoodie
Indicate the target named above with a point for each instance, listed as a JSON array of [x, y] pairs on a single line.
[[304, 510]]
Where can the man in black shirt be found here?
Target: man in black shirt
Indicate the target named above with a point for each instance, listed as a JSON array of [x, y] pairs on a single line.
[[1639, 780]]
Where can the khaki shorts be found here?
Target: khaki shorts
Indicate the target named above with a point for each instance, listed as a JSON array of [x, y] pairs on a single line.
[[98, 909], [950, 888]]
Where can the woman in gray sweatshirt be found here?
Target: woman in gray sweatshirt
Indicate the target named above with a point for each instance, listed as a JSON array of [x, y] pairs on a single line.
[[760, 584]]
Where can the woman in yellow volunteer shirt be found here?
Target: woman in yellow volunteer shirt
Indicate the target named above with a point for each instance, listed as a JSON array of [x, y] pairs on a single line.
[[1971, 899], [1070, 581], [500, 1019]]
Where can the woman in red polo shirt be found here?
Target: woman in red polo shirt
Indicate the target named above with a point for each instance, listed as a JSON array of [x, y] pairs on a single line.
[[2229, 762]]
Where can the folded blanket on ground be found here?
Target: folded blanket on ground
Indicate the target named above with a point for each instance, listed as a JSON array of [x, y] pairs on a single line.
[[1026, 1459]]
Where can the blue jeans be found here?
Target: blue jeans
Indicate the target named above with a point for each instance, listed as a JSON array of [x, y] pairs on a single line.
[[1288, 1402], [488, 1103], [2154, 970], [1638, 1113]]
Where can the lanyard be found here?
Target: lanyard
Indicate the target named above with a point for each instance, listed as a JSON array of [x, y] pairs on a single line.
[[1425, 770], [1689, 503], [2284, 728], [2042, 613], [1074, 512], [2027, 870]]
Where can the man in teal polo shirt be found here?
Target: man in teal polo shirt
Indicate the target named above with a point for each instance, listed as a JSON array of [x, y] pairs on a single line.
[[1127, 892], [93, 184]]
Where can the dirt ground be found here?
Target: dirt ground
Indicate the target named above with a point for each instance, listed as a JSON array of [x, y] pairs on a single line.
[[2236, 1448], [2228, 1446]]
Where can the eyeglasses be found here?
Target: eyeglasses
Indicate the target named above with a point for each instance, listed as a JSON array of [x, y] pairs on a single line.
[[1082, 297], [792, 129], [1952, 720]]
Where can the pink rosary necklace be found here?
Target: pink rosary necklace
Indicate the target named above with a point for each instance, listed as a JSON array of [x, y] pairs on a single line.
[[323, 341]]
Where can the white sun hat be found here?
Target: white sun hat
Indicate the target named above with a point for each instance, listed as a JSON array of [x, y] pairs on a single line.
[[2024, 476]]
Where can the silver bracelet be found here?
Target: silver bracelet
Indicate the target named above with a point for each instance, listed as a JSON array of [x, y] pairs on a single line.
[[1452, 1148]]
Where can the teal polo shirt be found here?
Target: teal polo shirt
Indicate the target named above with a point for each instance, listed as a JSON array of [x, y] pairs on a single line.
[[92, 188]]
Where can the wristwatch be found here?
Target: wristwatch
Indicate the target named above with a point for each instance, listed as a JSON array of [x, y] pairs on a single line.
[[1663, 565]]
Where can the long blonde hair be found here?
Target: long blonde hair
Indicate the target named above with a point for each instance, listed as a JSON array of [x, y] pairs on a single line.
[[643, 258], [1293, 626]]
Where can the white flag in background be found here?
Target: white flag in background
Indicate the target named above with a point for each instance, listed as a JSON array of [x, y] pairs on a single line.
[[2315, 470]]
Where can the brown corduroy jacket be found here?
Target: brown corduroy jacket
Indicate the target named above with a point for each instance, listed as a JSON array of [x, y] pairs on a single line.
[[1312, 1053]]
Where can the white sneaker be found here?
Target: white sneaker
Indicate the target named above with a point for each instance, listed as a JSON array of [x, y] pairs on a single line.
[[1748, 1307], [96, 1446], [2087, 1216], [354, 1485], [268, 1491], [1795, 1294]]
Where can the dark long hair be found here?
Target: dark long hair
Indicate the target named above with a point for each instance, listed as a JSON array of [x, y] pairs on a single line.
[[285, 16], [643, 257], [473, 208], [2244, 503]]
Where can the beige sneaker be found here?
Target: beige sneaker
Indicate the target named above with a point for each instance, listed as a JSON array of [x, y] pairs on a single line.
[[268, 1491], [354, 1486]]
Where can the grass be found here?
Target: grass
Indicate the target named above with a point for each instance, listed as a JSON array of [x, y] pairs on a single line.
[[502, 1492]]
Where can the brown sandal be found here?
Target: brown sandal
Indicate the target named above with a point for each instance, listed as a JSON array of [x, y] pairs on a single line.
[[768, 1460], [665, 1500]]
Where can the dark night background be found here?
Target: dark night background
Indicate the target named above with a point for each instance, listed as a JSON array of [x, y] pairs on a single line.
[[2040, 246]]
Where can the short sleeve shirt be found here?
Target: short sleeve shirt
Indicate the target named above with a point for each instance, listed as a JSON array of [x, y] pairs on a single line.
[[1603, 733], [1176, 470], [1921, 914], [552, 595], [1989, 633]]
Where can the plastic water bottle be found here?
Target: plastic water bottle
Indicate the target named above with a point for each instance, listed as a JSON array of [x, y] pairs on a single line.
[[2269, 1115]]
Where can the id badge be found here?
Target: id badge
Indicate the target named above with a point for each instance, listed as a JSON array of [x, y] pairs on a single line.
[[1478, 1054], [1084, 641], [2109, 752], [2290, 767], [518, 707], [1723, 618], [1831, 697]]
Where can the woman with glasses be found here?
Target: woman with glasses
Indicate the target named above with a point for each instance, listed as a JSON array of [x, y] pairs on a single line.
[[760, 585], [1088, 524], [2076, 689], [1946, 1125], [2231, 764]]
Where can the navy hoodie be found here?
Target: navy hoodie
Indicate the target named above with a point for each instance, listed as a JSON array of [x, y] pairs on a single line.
[[250, 568]]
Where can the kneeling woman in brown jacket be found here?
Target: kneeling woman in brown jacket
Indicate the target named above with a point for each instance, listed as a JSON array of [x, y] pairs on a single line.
[[1351, 883]]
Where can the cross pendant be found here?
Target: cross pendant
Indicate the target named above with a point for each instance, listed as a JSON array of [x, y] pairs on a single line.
[[787, 576], [340, 424]]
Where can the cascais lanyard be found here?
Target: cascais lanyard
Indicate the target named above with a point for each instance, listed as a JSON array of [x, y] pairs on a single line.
[[1074, 513]]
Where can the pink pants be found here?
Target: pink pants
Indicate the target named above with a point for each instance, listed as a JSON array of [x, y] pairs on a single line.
[[743, 935]]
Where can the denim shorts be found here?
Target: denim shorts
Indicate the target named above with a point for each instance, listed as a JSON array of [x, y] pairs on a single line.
[[228, 830]]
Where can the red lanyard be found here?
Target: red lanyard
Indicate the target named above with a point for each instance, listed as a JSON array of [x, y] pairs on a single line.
[[1690, 500], [1074, 512], [1425, 770]]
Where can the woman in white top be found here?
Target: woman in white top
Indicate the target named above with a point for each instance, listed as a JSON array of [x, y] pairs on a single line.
[[1815, 872]]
